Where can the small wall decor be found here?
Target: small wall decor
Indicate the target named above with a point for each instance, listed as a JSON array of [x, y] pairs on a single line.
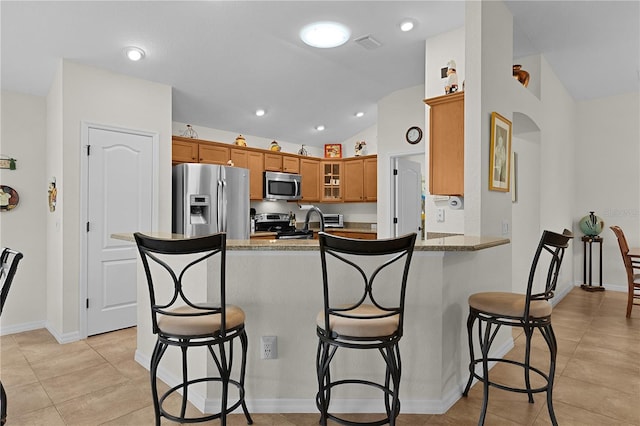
[[500, 154], [333, 150], [359, 148], [274, 146], [53, 195], [452, 78], [190, 132], [7, 162], [9, 198], [521, 75]]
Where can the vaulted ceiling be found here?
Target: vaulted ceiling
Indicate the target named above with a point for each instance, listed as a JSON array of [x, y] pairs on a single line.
[[225, 59]]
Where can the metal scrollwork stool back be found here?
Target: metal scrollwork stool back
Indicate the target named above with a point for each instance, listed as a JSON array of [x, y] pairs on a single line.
[[9, 260], [528, 311], [179, 321], [368, 317]]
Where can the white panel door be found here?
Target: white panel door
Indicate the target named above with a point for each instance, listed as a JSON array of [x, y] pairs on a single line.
[[120, 188], [408, 190]]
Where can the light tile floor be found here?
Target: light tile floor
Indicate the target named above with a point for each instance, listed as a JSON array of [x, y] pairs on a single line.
[[97, 382]]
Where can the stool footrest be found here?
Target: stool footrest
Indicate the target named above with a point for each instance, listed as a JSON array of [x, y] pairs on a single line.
[[508, 388], [206, 418]]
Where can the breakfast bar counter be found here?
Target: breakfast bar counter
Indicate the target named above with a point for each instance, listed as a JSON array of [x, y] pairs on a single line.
[[278, 283]]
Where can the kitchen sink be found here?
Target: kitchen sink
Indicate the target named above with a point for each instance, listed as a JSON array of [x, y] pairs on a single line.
[[295, 235]]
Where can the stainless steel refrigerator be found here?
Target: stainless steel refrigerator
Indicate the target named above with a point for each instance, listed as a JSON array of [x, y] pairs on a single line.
[[209, 198]]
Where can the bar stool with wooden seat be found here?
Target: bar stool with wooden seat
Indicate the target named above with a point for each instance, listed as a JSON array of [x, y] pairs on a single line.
[[632, 267], [179, 321], [528, 311], [9, 260], [368, 317]]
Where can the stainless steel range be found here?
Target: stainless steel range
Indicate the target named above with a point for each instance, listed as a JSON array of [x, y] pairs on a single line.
[[280, 223]]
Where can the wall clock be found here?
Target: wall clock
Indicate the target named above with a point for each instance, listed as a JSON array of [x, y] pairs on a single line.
[[414, 135]]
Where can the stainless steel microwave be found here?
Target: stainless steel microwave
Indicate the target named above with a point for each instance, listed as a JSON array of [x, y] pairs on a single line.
[[282, 186]]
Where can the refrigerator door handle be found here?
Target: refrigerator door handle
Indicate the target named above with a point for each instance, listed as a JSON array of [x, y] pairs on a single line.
[[223, 218], [219, 206]]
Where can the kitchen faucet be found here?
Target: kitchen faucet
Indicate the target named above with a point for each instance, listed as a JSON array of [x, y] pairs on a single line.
[[306, 219]]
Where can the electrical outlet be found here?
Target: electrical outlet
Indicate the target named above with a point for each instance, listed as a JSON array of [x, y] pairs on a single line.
[[440, 215], [505, 227], [269, 347]]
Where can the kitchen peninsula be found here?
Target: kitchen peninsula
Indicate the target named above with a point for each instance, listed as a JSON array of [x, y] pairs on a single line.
[[278, 285]]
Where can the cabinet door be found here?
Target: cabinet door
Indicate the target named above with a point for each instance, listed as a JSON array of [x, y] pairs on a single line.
[[331, 181], [371, 179], [212, 154], [184, 152], [353, 180], [446, 146], [290, 164], [310, 171], [240, 157], [273, 162], [256, 171]]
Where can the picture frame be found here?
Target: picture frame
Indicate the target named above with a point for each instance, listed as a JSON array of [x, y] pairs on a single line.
[[500, 154], [333, 150]]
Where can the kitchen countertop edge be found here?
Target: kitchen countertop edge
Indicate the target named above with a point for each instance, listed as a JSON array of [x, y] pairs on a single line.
[[448, 243]]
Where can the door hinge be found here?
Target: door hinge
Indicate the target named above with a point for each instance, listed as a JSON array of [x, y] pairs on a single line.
[[395, 172], [87, 303], [395, 220], [88, 150], [87, 226]]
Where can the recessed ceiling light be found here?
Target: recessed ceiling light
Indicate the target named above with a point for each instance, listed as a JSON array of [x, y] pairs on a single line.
[[359, 114], [134, 53], [407, 25], [260, 112], [320, 127], [325, 34]]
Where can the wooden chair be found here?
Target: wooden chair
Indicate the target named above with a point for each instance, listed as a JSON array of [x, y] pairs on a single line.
[[9, 260], [530, 311], [355, 274], [181, 322], [632, 267]]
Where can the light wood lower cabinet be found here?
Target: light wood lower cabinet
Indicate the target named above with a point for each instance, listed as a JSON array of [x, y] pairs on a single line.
[[359, 235]]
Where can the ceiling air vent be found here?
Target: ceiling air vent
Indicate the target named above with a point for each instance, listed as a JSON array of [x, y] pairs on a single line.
[[368, 42]]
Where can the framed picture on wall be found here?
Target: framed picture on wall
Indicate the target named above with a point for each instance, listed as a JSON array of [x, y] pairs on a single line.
[[500, 153], [333, 150]]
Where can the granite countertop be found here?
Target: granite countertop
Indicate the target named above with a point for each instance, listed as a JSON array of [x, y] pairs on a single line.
[[448, 243]]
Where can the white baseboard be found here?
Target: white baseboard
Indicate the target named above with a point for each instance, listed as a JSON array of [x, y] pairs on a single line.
[[20, 328], [63, 338]]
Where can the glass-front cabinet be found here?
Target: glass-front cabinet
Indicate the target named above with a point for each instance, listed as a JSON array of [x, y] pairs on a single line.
[[331, 181]]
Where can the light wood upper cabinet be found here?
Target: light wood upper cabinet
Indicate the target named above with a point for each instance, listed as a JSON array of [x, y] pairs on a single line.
[[239, 157], [290, 164], [273, 162], [184, 152], [310, 171], [213, 154], [446, 144], [331, 185], [361, 179], [255, 164], [370, 178], [353, 180]]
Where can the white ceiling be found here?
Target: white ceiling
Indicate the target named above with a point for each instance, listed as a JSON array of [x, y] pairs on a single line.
[[225, 59]]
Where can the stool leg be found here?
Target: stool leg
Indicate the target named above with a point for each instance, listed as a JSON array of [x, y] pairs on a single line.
[[323, 360], [485, 343], [3, 407], [528, 332], [470, 320], [393, 373], [185, 388], [156, 356], [550, 338], [243, 368]]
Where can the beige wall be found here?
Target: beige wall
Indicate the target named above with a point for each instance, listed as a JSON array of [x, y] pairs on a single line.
[[23, 137]]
